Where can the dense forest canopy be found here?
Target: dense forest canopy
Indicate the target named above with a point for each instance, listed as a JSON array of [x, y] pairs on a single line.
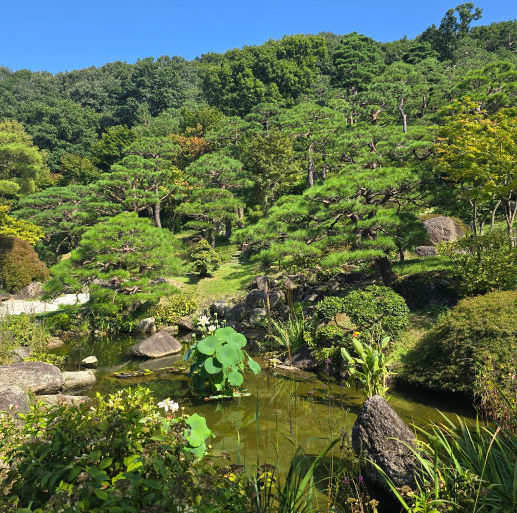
[[312, 148]]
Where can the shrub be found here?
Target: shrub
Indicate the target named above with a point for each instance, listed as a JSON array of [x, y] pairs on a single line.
[[454, 355], [203, 258], [329, 307], [328, 341], [293, 333], [378, 311], [21, 330], [121, 455], [19, 264], [173, 309], [483, 263]]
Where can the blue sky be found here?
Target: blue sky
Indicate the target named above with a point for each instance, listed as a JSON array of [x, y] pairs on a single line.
[[61, 35]]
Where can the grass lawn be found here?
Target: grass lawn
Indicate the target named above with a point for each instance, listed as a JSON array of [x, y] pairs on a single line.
[[229, 281], [415, 265]]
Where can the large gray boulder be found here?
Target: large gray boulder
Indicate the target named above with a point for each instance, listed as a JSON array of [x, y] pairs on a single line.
[[32, 291], [255, 299], [13, 399], [145, 326], [90, 362], [37, 377], [442, 229], [64, 400], [301, 358], [426, 251], [159, 345], [78, 380], [262, 283], [381, 436], [219, 308]]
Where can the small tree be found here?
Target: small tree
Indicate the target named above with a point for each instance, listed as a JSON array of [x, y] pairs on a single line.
[[203, 258], [118, 260]]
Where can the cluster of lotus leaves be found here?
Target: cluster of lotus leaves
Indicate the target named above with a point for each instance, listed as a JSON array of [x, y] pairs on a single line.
[[226, 354]]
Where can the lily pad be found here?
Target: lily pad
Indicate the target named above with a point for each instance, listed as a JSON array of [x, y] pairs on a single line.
[[235, 378], [208, 345], [211, 367]]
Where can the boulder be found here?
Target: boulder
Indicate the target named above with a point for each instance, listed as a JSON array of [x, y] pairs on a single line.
[[186, 324], [261, 283], [90, 362], [78, 380], [66, 400], [237, 313], [381, 436], [257, 316], [37, 377], [276, 298], [442, 229], [255, 299], [159, 345], [13, 399], [301, 358], [172, 330], [426, 251], [33, 290], [219, 308], [159, 363], [145, 326], [54, 343], [23, 353], [346, 278]]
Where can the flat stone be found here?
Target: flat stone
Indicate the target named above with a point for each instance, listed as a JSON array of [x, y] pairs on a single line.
[[426, 251], [54, 343], [301, 358], [159, 363], [186, 324], [159, 345], [37, 377], [66, 400], [90, 362], [78, 380], [13, 399], [381, 436], [172, 330]]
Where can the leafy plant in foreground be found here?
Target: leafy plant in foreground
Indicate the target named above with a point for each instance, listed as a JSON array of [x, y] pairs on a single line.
[[219, 362]]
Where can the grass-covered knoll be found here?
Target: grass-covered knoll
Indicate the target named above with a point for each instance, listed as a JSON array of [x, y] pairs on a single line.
[[463, 344]]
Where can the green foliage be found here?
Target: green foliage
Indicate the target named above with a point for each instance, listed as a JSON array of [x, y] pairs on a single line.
[[173, 308], [12, 227], [219, 362], [203, 259], [60, 322], [77, 170], [118, 260], [378, 311], [456, 353], [19, 264], [464, 468], [120, 455], [293, 333], [483, 263], [110, 148], [370, 368], [328, 341], [329, 307], [21, 330]]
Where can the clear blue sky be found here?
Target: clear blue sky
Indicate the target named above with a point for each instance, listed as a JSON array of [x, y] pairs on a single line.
[[61, 35]]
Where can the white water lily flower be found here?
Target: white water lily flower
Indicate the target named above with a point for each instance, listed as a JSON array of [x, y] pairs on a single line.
[[169, 404], [212, 328], [203, 320]]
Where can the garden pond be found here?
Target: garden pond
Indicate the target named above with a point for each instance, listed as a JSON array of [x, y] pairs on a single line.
[[283, 406]]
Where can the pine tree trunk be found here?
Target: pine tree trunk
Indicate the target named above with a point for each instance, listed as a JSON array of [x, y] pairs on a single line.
[[157, 210], [228, 228], [386, 270], [404, 116], [310, 170], [212, 238]]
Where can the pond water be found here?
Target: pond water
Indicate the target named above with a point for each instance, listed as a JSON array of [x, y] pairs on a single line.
[[283, 405]]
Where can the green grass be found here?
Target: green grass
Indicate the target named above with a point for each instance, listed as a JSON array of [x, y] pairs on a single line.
[[415, 265], [229, 281]]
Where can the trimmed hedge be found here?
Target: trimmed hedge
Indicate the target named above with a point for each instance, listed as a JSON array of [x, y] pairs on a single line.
[[19, 264], [452, 355]]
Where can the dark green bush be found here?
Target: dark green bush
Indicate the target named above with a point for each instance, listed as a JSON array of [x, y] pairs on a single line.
[[483, 263], [378, 311], [19, 264], [328, 341], [203, 259], [329, 307], [59, 323], [455, 354], [173, 309]]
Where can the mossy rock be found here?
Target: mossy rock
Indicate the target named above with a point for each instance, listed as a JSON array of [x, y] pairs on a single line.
[[455, 353]]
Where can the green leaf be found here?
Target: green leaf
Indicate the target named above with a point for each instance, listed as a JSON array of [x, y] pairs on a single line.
[[235, 378], [237, 338], [227, 355], [101, 494], [208, 345], [199, 431], [253, 365], [105, 463], [210, 366]]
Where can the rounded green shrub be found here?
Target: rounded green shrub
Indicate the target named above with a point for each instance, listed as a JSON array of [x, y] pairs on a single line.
[[19, 264], [329, 307], [376, 310], [173, 309], [457, 352], [203, 259], [328, 341]]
